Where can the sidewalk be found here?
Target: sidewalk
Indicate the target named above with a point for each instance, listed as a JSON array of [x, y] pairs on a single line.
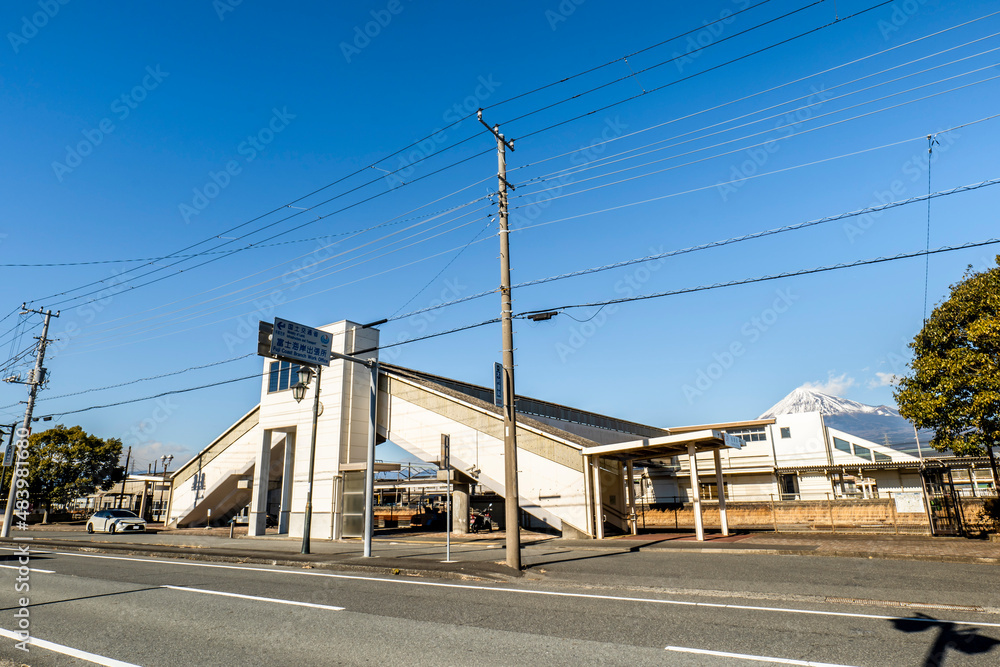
[[481, 556]]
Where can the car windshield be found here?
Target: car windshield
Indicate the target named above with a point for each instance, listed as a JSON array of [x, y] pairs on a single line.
[[122, 514]]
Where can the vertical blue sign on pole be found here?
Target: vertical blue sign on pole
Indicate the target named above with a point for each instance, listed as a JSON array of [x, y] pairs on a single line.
[[498, 384]]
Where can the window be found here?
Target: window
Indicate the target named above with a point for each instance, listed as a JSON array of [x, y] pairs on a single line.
[[281, 376], [789, 486], [786, 432], [710, 490], [882, 458], [842, 445], [757, 434], [863, 452]]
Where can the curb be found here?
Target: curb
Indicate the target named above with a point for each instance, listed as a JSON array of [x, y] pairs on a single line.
[[473, 570]]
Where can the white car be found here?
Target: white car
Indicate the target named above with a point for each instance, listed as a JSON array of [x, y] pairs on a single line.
[[115, 521]]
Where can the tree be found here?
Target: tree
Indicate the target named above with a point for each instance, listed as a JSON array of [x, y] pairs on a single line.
[[954, 387], [66, 463]]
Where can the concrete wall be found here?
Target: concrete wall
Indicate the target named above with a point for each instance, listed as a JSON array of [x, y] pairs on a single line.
[[849, 516]]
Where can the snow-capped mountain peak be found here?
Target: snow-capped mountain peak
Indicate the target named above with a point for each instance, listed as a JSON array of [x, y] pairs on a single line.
[[880, 424], [804, 399]]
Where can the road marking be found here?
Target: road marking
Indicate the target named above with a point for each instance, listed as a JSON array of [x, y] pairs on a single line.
[[757, 658], [33, 569], [522, 591], [254, 597], [67, 650], [32, 551]]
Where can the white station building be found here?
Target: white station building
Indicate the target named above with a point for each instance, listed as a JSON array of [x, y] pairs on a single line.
[[575, 466]]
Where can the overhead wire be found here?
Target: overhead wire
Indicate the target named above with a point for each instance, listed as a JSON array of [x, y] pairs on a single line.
[[773, 88], [712, 244], [327, 272], [310, 295], [298, 269], [759, 279], [145, 379], [796, 133], [259, 375], [617, 157], [700, 73]]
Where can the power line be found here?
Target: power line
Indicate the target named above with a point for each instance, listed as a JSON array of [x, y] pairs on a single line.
[[617, 157], [306, 296], [298, 269], [259, 375], [662, 63], [696, 74], [777, 276], [713, 244], [763, 143], [329, 271], [160, 395], [145, 379], [629, 55], [783, 85]]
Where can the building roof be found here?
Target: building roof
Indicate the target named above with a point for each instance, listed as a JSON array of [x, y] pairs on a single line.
[[665, 446], [722, 426]]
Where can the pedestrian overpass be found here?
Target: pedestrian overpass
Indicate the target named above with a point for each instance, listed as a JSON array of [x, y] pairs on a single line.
[[574, 466]]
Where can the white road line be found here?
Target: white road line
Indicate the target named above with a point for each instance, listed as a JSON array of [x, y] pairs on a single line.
[[31, 551], [521, 591], [33, 569], [68, 650], [254, 597], [757, 658]]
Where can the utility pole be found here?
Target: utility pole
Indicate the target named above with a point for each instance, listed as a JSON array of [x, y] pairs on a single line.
[[121, 498], [512, 508], [34, 382]]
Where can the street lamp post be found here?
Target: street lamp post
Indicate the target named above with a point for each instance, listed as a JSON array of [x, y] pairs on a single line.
[[165, 460], [298, 393]]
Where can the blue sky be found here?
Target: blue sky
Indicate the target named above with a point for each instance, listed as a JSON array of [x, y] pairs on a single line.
[[162, 132]]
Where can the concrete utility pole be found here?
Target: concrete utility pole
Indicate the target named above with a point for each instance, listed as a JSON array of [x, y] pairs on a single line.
[[34, 382], [511, 504]]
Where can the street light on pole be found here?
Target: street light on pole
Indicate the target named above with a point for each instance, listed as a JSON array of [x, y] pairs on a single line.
[[165, 460], [299, 393]]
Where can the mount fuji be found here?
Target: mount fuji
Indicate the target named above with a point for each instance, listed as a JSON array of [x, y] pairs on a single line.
[[880, 424]]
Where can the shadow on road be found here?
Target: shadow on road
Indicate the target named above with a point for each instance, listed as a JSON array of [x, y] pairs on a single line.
[[949, 638], [87, 597]]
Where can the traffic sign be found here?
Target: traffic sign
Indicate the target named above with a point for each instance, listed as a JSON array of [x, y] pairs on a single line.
[[498, 385], [297, 342]]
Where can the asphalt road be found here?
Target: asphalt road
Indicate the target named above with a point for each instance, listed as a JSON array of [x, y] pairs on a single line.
[[573, 607]]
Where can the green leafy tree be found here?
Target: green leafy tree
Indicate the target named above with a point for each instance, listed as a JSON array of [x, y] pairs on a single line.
[[954, 386], [66, 463]]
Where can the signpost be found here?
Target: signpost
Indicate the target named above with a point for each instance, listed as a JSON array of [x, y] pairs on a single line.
[[301, 344], [498, 384]]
